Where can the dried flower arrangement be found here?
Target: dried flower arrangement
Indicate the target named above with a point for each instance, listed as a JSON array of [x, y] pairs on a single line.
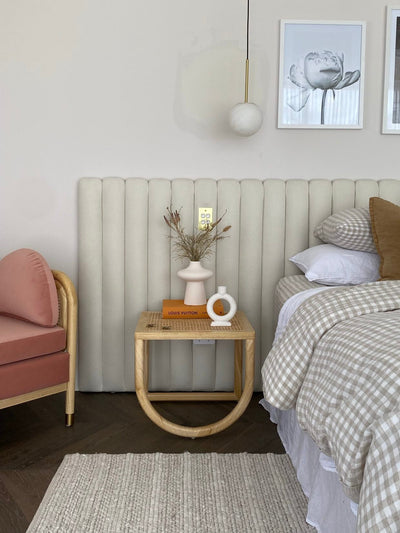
[[197, 245]]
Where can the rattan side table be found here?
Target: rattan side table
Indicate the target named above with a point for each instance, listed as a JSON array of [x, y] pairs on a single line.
[[152, 327]]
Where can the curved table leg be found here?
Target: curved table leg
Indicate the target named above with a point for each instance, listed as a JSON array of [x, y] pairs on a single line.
[[141, 362]]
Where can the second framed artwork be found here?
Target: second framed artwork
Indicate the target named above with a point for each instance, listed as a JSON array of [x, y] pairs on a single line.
[[321, 74], [391, 95]]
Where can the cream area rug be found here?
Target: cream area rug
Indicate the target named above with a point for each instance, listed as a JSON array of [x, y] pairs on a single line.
[[173, 493]]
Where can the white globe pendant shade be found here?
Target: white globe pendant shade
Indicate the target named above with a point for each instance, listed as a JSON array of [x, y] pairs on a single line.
[[245, 119]]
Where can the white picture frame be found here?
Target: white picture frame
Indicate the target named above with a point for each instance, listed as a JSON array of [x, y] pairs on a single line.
[[328, 98], [391, 90]]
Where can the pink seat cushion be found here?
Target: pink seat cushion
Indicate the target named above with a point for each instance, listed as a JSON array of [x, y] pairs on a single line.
[[27, 288], [22, 340], [33, 374]]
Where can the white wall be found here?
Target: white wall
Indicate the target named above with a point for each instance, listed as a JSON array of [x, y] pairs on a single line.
[[129, 88]]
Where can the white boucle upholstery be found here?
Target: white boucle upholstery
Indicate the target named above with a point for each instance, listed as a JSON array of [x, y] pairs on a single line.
[[125, 266]]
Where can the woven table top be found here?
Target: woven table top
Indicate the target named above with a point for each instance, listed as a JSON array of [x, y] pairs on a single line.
[[151, 325]]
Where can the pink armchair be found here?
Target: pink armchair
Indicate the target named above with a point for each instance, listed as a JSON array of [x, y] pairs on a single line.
[[38, 330]]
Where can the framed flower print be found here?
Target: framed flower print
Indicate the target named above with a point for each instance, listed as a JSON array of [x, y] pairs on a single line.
[[321, 74], [391, 94]]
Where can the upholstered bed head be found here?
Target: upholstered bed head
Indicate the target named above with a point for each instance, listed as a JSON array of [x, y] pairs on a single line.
[[125, 265]]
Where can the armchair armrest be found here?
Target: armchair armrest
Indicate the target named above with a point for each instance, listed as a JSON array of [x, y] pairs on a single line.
[[68, 319]]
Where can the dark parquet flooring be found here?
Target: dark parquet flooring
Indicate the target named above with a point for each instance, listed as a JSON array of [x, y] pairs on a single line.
[[34, 440]]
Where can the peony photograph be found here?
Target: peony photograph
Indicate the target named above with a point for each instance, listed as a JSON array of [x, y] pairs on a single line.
[[321, 74]]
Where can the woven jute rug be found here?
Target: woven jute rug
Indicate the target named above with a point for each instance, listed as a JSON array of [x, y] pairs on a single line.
[[173, 493]]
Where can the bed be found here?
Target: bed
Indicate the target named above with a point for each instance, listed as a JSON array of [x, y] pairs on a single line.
[[332, 378]]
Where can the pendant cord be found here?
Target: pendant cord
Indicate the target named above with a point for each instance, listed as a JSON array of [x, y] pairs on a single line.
[[248, 25], [246, 81]]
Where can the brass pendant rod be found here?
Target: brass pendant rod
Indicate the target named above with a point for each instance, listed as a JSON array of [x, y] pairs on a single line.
[[246, 83]]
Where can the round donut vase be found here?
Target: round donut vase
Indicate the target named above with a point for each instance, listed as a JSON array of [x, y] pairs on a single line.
[[195, 275], [223, 320]]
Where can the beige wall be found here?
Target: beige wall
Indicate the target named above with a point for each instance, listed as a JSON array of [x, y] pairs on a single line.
[[128, 88]]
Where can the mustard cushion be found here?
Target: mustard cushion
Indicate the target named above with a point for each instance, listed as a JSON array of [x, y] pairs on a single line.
[[385, 225], [27, 288]]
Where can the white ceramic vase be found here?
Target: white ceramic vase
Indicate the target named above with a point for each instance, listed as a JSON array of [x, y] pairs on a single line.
[[195, 275]]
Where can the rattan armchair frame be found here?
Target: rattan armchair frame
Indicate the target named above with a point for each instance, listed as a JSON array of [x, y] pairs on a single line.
[[67, 319]]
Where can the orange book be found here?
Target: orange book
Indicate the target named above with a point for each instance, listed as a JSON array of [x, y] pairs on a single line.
[[177, 309]]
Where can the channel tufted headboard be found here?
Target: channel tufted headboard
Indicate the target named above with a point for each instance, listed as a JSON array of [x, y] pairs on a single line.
[[125, 266]]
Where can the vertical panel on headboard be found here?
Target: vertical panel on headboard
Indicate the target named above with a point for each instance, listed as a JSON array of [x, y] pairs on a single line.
[[390, 190], [90, 284], [159, 277], [273, 257], [227, 271], [182, 195], [205, 195], [126, 266], [343, 195], [113, 261], [364, 190], [136, 252], [296, 237], [250, 259], [320, 195]]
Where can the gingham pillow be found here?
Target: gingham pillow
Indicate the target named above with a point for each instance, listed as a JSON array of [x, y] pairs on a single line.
[[350, 229]]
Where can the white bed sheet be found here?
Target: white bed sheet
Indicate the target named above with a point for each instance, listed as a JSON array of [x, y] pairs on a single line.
[[290, 306], [329, 510]]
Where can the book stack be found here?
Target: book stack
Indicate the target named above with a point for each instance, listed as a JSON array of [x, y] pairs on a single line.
[[177, 309]]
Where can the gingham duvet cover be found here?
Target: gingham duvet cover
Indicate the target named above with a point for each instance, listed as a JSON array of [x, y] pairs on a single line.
[[338, 363]]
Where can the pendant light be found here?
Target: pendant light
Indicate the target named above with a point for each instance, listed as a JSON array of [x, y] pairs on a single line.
[[246, 119]]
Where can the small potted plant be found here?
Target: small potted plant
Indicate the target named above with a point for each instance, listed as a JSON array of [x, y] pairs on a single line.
[[194, 247]]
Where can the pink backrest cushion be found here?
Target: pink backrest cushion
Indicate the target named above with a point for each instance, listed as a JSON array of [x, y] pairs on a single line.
[[27, 288]]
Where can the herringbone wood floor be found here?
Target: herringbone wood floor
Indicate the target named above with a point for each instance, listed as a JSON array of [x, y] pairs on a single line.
[[34, 440]]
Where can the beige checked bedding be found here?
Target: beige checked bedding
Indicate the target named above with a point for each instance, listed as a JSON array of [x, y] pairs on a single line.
[[290, 285], [338, 363]]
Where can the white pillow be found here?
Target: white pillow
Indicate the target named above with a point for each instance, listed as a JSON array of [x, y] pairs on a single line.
[[330, 265]]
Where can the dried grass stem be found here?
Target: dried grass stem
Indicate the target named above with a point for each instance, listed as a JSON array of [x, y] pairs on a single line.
[[197, 245]]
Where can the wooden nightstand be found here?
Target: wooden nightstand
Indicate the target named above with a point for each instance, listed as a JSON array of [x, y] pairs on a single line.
[[152, 327]]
